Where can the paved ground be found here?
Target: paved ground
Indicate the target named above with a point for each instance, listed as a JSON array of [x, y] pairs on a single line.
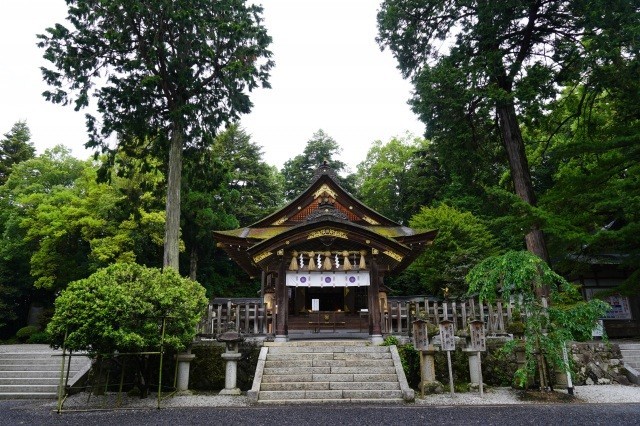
[[24, 412]]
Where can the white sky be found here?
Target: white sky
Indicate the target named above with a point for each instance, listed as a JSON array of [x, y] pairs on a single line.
[[329, 74]]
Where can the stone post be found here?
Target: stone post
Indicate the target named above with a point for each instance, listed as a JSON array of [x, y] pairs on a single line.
[[231, 338], [184, 364], [231, 373]]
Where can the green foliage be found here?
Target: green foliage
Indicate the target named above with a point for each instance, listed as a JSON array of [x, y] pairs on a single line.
[[256, 185], [121, 307], [169, 73], [25, 333], [399, 177], [15, 148], [516, 276], [409, 357], [462, 241], [40, 337], [298, 171]]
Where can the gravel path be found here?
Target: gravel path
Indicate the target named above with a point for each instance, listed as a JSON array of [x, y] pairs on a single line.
[[494, 396]]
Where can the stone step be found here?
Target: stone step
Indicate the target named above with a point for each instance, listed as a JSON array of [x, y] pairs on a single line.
[[386, 362], [330, 378], [327, 349], [629, 346], [328, 370], [322, 343], [329, 386], [28, 395], [328, 355], [31, 373], [329, 394], [35, 367], [27, 381], [356, 401], [28, 388]]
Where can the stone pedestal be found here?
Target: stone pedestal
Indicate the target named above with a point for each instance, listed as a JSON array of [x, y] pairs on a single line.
[[231, 373], [281, 338], [428, 372], [376, 339], [184, 362], [475, 374]]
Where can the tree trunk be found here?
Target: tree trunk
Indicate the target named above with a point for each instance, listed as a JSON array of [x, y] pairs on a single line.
[[521, 178], [193, 265], [172, 208]]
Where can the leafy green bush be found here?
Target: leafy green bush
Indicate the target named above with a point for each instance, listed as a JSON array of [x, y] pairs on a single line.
[[39, 337], [546, 330], [25, 333], [410, 359], [122, 307]]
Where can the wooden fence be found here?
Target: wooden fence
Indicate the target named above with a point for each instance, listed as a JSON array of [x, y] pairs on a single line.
[[253, 318]]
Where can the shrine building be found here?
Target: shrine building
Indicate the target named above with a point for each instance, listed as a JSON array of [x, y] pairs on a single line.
[[324, 254]]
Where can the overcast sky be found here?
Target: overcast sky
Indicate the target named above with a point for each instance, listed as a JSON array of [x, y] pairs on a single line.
[[329, 74]]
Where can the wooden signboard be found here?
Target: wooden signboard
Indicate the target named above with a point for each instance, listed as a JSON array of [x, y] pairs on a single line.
[[420, 335], [478, 340], [447, 336]]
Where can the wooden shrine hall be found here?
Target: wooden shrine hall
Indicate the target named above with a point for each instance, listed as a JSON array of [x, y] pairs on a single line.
[[324, 253]]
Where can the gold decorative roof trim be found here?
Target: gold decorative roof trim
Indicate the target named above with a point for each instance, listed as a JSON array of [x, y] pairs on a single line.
[[369, 220], [328, 233], [259, 257], [325, 188], [280, 221], [394, 255]]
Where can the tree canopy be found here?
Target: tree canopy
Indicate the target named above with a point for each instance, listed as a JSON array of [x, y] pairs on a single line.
[[478, 67], [165, 70], [16, 146], [122, 308], [298, 171]]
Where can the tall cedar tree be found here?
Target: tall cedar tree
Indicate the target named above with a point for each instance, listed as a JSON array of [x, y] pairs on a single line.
[[15, 148], [170, 70], [503, 57]]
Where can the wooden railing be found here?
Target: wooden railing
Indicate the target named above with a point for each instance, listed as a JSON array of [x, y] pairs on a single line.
[[254, 318]]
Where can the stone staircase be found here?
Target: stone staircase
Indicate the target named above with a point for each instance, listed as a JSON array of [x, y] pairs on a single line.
[[323, 371], [630, 354], [33, 371]]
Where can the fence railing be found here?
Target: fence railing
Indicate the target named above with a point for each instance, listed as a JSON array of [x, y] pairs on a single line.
[[254, 318]]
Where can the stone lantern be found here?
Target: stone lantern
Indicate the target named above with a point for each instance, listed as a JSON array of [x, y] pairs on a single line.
[[231, 338]]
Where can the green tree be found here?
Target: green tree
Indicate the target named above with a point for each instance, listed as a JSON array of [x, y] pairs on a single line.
[[257, 184], [479, 66], [515, 276], [121, 306], [462, 242], [14, 148], [298, 171], [128, 308], [166, 70], [206, 205], [399, 177]]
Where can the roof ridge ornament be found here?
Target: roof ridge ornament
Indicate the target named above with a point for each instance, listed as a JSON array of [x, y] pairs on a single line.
[[325, 169]]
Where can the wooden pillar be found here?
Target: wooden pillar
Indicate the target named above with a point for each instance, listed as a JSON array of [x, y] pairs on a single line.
[[375, 329], [282, 301]]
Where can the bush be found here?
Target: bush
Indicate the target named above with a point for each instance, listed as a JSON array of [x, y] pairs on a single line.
[[25, 333], [122, 308], [39, 337]]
